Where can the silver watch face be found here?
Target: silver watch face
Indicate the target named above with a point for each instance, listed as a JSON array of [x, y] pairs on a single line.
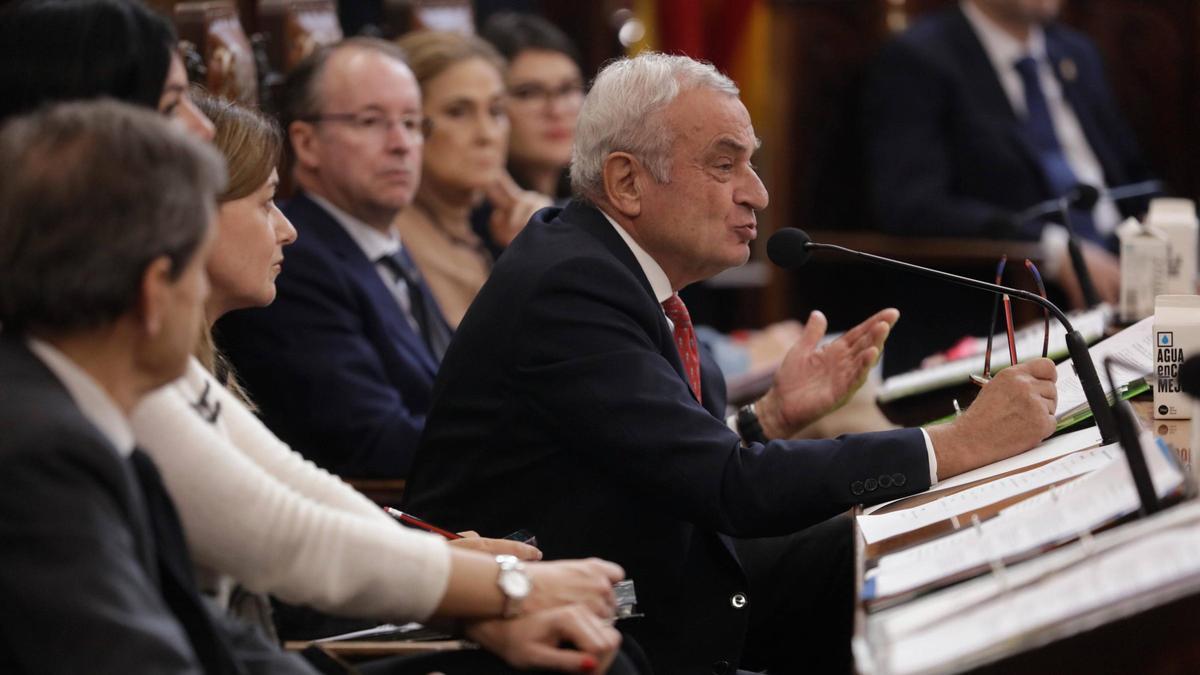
[[515, 583]]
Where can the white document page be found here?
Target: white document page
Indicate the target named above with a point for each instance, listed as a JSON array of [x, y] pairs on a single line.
[[1110, 577], [1133, 349], [877, 527], [1052, 517], [893, 624], [1055, 447]]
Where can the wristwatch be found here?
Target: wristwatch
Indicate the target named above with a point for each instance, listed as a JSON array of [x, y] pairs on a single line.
[[748, 426], [514, 583]]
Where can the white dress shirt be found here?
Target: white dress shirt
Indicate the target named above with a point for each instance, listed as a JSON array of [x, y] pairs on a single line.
[[661, 285], [1004, 50], [375, 245]]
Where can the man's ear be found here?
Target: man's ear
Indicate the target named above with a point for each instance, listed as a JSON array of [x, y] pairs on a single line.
[[304, 141], [623, 175], [155, 295]]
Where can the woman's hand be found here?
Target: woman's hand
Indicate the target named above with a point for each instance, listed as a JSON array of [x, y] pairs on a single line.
[[535, 640], [472, 540], [511, 208], [587, 583]]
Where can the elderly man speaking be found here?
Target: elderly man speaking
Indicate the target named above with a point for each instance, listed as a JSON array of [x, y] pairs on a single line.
[[575, 403]]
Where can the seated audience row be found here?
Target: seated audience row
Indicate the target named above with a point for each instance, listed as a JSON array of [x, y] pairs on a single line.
[[294, 529]]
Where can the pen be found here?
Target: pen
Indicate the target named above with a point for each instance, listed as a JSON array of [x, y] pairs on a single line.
[[413, 521], [1008, 325]]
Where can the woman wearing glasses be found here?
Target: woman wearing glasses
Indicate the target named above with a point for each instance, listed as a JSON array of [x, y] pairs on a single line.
[[545, 92]]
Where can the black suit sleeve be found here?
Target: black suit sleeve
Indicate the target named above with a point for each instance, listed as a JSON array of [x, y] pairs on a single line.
[[76, 599], [590, 370], [907, 115]]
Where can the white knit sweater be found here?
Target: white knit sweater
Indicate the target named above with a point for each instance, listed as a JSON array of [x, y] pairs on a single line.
[[257, 511]]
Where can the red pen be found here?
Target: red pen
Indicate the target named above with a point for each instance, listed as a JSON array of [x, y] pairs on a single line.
[[1008, 321], [413, 521]]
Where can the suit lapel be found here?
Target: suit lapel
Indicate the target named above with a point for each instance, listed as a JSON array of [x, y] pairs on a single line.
[[589, 219], [22, 365], [1064, 63], [364, 275], [983, 86]]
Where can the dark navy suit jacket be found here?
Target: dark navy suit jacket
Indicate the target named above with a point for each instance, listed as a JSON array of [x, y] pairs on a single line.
[[561, 407], [946, 153], [333, 364]]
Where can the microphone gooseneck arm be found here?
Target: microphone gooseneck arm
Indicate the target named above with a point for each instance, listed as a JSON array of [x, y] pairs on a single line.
[[1077, 347], [1090, 297]]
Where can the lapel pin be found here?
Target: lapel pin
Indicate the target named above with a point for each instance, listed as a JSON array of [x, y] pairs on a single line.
[[1068, 70]]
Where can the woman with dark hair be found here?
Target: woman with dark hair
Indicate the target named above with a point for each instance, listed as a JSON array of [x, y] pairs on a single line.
[[59, 50], [545, 92]]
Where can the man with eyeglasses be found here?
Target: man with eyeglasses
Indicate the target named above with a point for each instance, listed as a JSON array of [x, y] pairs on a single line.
[[342, 364]]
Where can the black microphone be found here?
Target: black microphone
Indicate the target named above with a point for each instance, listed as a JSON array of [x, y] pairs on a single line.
[[1085, 197], [1189, 377], [1129, 431], [791, 247]]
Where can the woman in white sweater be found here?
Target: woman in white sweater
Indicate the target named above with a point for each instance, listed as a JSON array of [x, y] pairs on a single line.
[[258, 512]]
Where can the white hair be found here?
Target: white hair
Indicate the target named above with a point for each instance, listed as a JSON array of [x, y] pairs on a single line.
[[623, 113]]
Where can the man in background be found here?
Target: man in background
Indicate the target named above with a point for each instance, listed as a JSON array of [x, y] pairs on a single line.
[[341, 365], [986, 109]]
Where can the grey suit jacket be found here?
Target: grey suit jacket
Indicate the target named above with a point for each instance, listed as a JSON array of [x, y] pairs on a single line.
[[80, 576]]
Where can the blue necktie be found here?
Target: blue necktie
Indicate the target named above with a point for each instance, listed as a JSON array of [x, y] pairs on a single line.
[[1059, 176], [434, 330]]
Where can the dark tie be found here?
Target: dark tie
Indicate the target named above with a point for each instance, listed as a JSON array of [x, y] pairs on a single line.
[[1059, 176], [176, 578], [685, 341], [423, 308]]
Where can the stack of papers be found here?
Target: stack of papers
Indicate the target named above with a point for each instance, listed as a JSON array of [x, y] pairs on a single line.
[[1041, 522], [960, 628]]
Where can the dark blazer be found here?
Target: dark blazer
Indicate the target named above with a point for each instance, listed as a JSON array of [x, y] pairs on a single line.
[[947, 154], [333, 364], [561, 408], [94, 573]]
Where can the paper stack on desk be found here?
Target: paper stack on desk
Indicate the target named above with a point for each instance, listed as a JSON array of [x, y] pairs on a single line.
[[1025, 529], [876, 527], [1051, 597]]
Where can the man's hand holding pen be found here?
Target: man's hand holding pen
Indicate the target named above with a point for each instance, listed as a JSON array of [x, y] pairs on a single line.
[[1013, 413]]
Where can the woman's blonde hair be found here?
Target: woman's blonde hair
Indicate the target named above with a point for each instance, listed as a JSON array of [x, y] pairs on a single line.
[[429, 52], [249, 140], [251, 144]]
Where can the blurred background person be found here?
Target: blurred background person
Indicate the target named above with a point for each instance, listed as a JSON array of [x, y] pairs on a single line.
[[466, 143], [72, 49], [545, 91], [987, 108]]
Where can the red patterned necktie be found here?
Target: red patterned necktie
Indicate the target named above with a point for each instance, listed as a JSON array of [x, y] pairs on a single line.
[[685, 341]]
